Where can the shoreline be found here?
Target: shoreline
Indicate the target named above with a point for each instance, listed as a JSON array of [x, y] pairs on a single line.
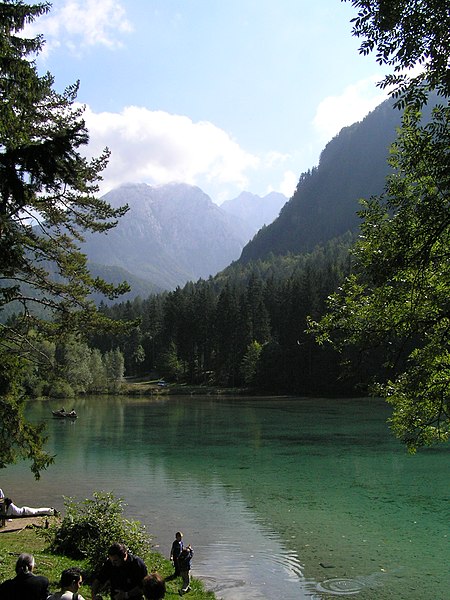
[[23, 536]]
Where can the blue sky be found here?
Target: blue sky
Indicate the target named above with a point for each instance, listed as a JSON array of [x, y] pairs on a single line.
[[229, 95]]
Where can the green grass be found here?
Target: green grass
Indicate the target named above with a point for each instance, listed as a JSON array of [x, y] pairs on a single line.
[[14, 543]]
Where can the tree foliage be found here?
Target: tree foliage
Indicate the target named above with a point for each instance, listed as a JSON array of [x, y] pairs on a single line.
[[412, 36], [249, 363], [19, 439], [47, 200], [89, 527], [397, 299]]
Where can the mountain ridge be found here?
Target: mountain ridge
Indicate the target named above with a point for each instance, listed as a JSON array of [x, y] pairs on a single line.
[[256, 210], [353, 165], [171, 234]]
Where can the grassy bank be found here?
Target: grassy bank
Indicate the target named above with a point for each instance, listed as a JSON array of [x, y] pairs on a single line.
[[28, 540]]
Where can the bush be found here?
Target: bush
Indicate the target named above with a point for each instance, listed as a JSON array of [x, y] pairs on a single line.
[[91, 526]]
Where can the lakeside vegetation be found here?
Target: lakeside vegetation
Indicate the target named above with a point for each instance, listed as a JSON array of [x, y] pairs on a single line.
[[81, 538], [51, 565]]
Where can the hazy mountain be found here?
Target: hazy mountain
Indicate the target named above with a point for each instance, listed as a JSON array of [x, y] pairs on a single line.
[[353, 165], [171, 234], [255, 210], [139, 287]]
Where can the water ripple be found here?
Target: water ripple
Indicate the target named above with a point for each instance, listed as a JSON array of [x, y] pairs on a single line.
[[341, 586]]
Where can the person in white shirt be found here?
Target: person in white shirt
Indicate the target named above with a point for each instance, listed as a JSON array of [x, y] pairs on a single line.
[[70, 583], [26, 511]]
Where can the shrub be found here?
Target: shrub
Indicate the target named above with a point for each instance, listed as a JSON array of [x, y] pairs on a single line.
[[90, 527]]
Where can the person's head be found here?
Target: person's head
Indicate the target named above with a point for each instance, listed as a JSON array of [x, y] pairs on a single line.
[[178, 536], [154, 587], [117, 554], [25, 563], [71, 579]]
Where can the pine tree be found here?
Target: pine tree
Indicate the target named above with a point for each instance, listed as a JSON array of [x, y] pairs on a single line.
[[47, 201]]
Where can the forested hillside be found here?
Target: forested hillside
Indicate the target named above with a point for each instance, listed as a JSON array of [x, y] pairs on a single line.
[[248, 324], [245, 327], [353, 165]]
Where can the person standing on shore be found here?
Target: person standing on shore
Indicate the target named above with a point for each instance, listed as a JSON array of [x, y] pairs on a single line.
[[175, 551], [185, 569]]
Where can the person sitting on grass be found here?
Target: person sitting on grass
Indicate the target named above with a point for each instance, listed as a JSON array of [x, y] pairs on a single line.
[[123, 572], [154, 587], [70, 583], [25, 585]]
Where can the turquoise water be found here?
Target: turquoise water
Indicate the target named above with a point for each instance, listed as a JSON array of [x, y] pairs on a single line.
[[281, 498]]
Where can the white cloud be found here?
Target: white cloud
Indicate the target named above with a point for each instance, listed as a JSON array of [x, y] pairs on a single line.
[[157, 147], [289, 184], [274, 159], [336, 112], [78, 24]]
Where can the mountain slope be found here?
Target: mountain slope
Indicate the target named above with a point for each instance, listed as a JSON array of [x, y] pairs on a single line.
[[116, 275], [171, 234], [352, 166]]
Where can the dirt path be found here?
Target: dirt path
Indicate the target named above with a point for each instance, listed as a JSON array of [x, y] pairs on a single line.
[[18, 524]]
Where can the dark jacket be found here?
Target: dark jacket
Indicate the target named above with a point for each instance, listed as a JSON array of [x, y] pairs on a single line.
[[125, 577], [175, 552], [25, 586], [184, 560], [176, 549]]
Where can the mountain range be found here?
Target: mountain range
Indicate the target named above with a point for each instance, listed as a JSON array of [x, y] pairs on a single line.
[[172, 234], [175, 233], [254, 210]]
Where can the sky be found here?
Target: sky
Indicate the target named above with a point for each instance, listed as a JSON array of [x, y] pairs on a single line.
[[228, 95]]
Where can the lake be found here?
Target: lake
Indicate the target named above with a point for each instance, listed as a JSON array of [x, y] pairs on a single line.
[[280, 497]]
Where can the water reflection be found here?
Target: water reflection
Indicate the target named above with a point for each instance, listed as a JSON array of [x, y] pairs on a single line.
[[267, 490]]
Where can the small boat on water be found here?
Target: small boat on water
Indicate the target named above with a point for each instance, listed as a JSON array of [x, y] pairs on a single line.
[[64, 414]]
